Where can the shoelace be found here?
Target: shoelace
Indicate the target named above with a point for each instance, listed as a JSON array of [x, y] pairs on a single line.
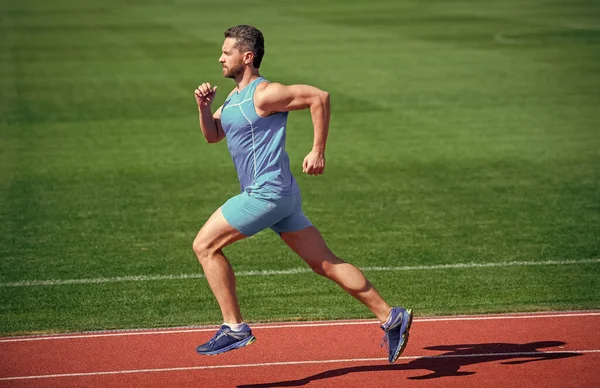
[[217, 335]]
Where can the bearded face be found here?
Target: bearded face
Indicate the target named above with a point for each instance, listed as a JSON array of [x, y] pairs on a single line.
[[232, 59], [233, 70]]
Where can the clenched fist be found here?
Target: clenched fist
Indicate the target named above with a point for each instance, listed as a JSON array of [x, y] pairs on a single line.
[[205, 95], [314, 163]]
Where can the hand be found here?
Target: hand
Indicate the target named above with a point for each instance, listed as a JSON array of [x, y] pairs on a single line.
[[314, 163], [205, 95]]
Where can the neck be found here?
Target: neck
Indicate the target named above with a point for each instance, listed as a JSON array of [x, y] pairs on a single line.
[[249, 75]]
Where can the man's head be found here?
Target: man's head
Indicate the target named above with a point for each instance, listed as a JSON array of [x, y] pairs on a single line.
[[244, 45]]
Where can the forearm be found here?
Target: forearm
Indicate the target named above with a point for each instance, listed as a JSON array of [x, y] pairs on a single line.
[[208, 125], [320, 110]]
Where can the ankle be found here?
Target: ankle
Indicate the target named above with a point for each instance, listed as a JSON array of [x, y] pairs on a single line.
[[235, 326], [386, 317]]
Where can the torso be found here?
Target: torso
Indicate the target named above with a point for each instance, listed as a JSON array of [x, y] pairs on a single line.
[[257, 144]]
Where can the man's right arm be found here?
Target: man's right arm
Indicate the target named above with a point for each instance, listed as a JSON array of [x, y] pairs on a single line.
[[210, 124]]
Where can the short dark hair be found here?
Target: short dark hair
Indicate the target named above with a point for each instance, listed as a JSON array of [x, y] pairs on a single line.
[[248, 38]]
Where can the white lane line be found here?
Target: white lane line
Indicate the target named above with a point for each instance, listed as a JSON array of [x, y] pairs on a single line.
[[291, 325], [292, 271], [492, 317], [177, 331], [305, 362]]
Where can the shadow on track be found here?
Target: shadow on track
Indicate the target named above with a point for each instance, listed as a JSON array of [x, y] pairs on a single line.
[[447, 364]]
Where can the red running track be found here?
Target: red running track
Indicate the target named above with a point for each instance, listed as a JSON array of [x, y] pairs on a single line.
[[560, 349]]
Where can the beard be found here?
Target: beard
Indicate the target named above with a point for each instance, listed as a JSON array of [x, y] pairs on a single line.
[[234, 71]]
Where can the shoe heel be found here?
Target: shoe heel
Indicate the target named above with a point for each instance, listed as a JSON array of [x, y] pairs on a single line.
[[410, 318]]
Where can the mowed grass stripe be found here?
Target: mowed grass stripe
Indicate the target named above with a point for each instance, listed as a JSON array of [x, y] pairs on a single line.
[[291, 271]]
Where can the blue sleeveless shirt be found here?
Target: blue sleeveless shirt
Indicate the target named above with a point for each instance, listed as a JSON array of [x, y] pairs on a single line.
[[257, 145]]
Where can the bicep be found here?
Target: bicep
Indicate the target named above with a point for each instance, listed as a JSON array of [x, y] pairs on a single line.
[[281, 98]]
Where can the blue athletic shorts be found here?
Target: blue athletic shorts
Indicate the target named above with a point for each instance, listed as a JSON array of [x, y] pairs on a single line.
[[250, 213]]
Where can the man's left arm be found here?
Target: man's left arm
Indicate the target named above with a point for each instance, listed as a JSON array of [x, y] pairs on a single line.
[[275, 97]]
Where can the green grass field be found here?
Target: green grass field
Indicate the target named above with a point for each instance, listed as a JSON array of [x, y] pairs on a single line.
[[462, 132]]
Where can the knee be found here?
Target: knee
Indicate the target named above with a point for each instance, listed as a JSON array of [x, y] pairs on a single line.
[[201, 249]]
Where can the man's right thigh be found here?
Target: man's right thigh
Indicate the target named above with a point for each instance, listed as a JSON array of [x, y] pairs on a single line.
[[249, 214], [216, 233]]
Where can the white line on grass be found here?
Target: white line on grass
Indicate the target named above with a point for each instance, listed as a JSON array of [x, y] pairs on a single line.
[[287, 363], [292, 271], [291, 325]]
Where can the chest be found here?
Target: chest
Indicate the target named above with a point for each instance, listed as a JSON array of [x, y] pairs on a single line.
[[238, 116]]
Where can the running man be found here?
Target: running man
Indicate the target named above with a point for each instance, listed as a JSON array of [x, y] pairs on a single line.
[[253, 118]]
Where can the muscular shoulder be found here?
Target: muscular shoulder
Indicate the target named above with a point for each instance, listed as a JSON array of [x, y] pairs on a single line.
[[266, 96], [266, 87]]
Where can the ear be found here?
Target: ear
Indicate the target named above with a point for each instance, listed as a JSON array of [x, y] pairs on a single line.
[[248, 57]]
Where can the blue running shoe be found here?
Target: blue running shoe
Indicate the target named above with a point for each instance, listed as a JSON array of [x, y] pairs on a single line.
[[396, 332], [226, 340]]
